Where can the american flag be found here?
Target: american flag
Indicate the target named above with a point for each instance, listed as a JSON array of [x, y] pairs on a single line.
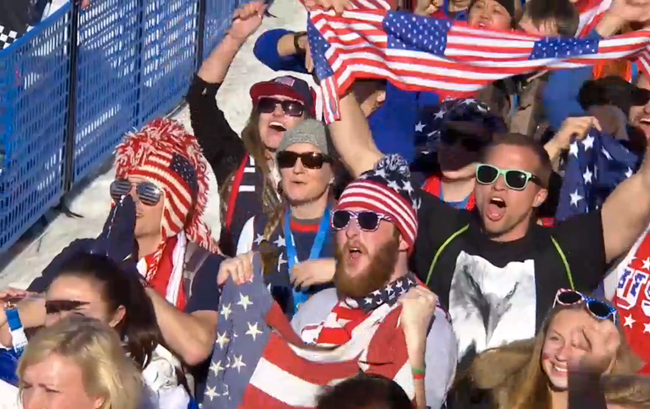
[[260, 362], [595, 166], [424, 54]]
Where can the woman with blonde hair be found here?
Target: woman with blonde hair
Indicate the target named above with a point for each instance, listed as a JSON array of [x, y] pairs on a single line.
[[533, 374], [78, 363]]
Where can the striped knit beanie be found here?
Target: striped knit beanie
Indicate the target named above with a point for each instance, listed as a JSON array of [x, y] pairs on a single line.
[[169, 157], [387, 189]]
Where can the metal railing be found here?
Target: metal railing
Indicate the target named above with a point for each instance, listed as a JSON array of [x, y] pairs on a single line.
[[75, 84]]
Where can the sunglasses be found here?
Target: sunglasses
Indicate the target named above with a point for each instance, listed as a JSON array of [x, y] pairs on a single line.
[[292, 108], [368, 221], [310, 160], [515, 179], [58, 306], [598, 309], [148, 193]]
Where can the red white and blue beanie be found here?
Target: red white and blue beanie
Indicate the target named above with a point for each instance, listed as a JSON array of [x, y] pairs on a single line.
[[164, 153], [387, 189]]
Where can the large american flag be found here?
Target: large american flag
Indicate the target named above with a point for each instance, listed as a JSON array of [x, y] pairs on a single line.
[[595, 166], [260, 362], [424, 54]]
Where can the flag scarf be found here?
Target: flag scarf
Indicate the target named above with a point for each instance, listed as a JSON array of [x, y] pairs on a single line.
[[260, 362], [595, 166], [425, 54]]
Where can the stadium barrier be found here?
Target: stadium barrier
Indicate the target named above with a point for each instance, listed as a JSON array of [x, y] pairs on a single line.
[[71, 87]]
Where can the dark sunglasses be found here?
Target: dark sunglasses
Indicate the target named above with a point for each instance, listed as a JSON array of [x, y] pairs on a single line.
[[292, 108], [148, 193], [58, 306], [368, 221], [515, 179], [598, 309], [310, 160]]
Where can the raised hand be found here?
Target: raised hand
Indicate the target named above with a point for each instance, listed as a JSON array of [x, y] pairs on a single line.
[[247, 20]]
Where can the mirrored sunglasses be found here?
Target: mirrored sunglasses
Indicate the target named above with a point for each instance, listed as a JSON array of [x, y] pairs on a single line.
[[148, 193]]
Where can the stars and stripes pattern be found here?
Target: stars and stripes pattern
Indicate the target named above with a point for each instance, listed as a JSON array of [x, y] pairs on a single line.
[[260, 362], [165, 154], [595, 166], [387, 189], [424, 54]]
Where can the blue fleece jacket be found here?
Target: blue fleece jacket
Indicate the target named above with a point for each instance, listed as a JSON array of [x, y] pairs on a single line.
[[392, 125]]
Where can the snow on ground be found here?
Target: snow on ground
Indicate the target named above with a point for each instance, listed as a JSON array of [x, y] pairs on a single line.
[[28, 260]]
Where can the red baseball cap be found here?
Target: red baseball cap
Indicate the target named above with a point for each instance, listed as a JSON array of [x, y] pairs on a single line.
[[287, 86]]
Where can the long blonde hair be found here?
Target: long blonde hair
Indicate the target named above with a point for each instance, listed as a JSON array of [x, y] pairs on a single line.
[[513, 373], [94, 347]]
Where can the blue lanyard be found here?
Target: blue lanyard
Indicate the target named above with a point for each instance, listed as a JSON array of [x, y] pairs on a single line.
[[457, 205], [299, 297], [18, 338]]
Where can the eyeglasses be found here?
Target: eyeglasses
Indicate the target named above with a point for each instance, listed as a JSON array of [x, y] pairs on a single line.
[[598, 309], [148, 193], [515, 179], [58, 306], [310, 160], [292, 108], [368, 221]]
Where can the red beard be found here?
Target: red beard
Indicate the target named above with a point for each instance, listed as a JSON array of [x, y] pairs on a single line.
[[374, 277]]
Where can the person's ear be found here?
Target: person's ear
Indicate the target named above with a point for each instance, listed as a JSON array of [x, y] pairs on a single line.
[[540, 197], [117, 317], [381, 97]]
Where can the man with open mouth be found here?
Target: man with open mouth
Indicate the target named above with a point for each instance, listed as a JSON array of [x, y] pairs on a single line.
[[494, 268]]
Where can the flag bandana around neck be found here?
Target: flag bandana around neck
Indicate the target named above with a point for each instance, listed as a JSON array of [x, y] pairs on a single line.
[[260, 362]]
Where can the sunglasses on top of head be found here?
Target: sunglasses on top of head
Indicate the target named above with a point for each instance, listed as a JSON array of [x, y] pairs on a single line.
[[310, 160], [267, 105], [515, 179], [598, 309], [368, 220], [148, 193]]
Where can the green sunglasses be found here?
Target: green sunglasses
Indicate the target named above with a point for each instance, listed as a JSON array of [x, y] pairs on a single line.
[[515, 179]]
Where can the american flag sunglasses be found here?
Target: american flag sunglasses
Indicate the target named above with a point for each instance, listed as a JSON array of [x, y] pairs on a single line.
[[148, 193], [368, 220], [598, 309]]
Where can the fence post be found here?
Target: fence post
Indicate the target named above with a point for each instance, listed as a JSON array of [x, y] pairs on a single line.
[[68, 175], [201, 32]]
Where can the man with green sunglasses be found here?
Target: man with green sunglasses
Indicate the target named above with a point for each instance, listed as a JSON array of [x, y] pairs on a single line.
[[495, 268]]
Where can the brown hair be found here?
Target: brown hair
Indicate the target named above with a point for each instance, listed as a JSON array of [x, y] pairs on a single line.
[[514, 376], [256, 149]]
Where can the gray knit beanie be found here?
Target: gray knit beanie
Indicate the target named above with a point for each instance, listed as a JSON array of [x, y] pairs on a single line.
[[309, 131]]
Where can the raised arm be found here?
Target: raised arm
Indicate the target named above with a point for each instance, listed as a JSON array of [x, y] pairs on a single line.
[[352, 138], [626, 212], [222, 147]]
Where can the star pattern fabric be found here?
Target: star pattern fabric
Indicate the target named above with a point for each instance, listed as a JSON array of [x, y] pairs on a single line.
[[258, 361], [595, 166]]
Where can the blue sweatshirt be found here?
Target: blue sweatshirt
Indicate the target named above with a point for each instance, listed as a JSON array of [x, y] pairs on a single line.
[[392, 125]]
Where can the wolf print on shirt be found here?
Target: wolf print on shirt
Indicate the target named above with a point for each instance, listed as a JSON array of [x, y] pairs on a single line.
[[491, 306]]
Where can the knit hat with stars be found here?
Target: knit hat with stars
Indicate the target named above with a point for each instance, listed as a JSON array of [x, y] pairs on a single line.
[[387, 189], [170, 158]]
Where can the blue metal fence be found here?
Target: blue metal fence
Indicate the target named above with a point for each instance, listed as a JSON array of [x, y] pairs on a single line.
[[73, 86]]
